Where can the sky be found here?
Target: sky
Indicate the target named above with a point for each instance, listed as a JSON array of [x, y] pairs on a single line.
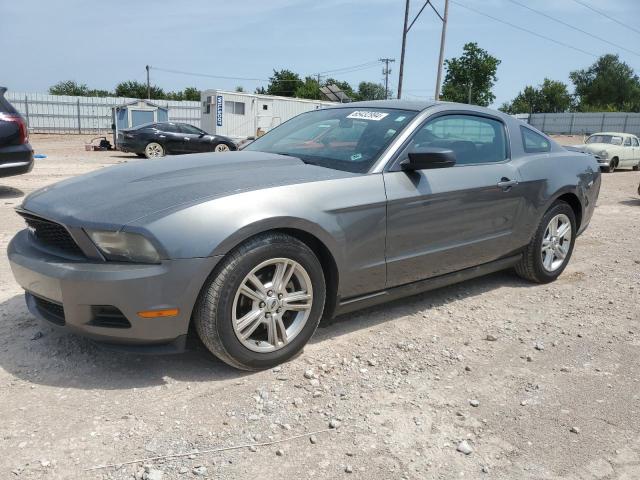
[[103, 43]]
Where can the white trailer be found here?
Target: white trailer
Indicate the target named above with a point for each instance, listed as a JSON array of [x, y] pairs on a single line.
[[240, 115]]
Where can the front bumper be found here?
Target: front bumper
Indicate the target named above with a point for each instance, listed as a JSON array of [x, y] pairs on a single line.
[[80, 287]]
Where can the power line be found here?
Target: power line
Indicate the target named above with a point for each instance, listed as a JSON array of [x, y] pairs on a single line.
[[561, 22], [531, 32], [606, 16]]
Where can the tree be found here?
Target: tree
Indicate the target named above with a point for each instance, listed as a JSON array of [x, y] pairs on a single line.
[[239, 89], [370, 91], [608, 84], [192, 94], [284, 83], [551, 96], [135, 89], [470, 78], [309, 89], [69, 87]]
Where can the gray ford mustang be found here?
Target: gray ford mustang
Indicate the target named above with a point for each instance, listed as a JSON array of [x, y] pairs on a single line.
[[335, 210]]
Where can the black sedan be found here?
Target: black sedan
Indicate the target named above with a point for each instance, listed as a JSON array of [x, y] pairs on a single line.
[[16, 155], [153, 140]]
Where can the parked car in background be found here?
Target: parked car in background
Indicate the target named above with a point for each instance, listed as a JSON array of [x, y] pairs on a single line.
[[255, 246], [153, 140], [614, 150], [16, 154]]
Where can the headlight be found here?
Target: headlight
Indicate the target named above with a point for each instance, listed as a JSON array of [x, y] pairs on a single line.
[[124, 246], [603, 154]]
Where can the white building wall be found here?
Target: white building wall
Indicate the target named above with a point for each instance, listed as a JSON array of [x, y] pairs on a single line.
[[261, 112]]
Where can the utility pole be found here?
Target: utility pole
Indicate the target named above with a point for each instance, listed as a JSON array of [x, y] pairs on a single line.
[[441, 57], [405, 30], [386, 71], [148, 84]]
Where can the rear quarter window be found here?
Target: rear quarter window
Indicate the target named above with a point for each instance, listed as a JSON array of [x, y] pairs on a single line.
[[534, 142]]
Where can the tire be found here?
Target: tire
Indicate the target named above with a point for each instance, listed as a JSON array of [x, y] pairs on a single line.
[[531, 266], [154, 150], [612, 165], [636, 168], [221, 303], [221, 147]]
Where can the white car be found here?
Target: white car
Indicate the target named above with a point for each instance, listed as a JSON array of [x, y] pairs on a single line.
[[614, 150]]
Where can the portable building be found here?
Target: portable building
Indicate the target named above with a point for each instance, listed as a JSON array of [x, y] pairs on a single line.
[[240, 115]]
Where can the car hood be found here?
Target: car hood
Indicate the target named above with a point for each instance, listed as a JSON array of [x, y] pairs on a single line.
[[121, 194]]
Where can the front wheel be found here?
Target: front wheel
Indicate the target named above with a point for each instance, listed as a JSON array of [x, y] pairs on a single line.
[[154, 150], [262, 303], [612, 166], [549, 251]]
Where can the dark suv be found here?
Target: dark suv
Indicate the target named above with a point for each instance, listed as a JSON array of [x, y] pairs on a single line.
[[16, 154]]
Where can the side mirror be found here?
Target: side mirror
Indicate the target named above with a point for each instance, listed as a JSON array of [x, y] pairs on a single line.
[[429, 157], [202, 135]]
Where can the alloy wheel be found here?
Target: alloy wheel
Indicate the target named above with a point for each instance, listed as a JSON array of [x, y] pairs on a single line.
[[272, 305], [556, 242], [154, 150], [221, 147]]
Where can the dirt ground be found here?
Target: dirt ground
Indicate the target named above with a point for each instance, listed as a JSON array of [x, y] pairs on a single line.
[[541, 381]]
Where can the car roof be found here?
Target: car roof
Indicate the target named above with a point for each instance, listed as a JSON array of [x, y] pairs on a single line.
[[617, 134]]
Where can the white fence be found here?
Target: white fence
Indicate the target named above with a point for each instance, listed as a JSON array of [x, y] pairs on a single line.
[[584, 123], [66, 114]]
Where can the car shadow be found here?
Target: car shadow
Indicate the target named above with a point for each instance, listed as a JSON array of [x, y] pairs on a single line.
[[37, 353], [10, 192], [633, 202]]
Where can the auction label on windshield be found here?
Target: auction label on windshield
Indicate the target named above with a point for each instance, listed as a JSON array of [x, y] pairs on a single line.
[[366, 115]]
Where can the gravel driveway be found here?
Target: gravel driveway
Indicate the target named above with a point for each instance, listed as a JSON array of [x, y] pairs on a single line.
[[493, 378]]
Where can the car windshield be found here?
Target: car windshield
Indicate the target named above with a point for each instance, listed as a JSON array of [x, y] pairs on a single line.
[[612, 139], [349, 139]]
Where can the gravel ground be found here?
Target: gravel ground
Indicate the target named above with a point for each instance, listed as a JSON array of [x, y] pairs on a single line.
[[493, 378]]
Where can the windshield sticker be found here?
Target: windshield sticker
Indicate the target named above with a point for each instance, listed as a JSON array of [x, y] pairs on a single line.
[[356, 156], [364, 115], [400, 118]]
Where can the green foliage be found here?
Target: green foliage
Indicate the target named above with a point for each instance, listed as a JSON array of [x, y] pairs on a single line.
[[309, 89], [284, 83], [607, 85], [370, 91], [69, 87], [470, 77], [239, 89], [135, 89], [552, 97]]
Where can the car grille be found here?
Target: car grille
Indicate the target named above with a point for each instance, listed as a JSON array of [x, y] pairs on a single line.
[[51, 234], [54, 312]]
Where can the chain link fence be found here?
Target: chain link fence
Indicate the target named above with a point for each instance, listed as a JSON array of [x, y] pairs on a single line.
[[77, 115]]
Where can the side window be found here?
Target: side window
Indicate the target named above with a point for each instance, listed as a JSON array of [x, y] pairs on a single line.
[[635, 142], [190, 129], [234, 107], [627, 142], [168, 127], [534, 142], [473, 139]]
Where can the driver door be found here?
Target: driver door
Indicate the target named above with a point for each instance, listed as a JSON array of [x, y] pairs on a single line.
[[448, 219]]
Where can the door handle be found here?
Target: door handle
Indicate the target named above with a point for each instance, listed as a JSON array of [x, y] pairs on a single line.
[[506, 184], [187, 138]]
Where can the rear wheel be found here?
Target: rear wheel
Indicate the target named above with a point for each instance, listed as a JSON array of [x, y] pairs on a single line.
[[636, 167], [549, 251], [262, 303], [221, 147], [154, 150]]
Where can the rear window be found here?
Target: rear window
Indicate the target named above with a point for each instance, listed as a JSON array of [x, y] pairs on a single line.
[[534, 142]]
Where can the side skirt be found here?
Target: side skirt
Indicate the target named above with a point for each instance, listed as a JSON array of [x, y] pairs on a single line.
[[414, 288]]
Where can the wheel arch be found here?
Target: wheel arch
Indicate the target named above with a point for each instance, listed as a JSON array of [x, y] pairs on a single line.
[[574, 202], [313, 236]]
